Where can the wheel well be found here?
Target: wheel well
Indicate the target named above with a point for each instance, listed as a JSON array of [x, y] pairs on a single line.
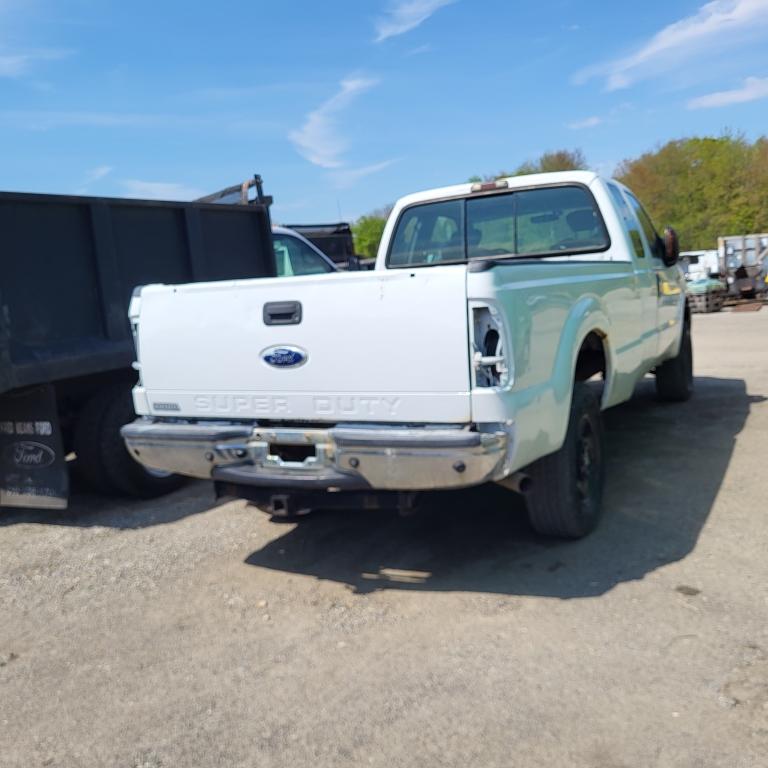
[[591, 358]]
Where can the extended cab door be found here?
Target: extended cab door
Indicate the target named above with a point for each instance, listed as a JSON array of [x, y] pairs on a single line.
[[644, 274], [667, 282]]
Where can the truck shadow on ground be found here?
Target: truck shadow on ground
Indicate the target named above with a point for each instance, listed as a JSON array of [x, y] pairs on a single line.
[[665, 467], [87, 510]]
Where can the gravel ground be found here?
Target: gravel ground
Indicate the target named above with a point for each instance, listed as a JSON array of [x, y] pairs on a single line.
[[182, 632]]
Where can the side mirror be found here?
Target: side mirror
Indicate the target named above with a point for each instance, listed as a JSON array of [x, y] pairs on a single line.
[[353, 263], [671, 247]]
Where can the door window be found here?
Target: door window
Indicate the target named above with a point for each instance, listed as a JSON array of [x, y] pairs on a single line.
[[655, 243], [631, 225]]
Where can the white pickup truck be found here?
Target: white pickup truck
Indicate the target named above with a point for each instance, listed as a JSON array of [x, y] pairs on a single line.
[[465, 357]]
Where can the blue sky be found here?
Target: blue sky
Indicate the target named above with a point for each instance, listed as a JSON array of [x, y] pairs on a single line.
[[345, 105]]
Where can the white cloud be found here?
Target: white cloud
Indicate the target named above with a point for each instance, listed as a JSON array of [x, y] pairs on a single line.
[[754, 88], [17, 64], [419, 50], [14, 61], [319, 140], [716, 26], [587, 122], [247, 93], [97, 173], [405, 15], [348, 177], [13, 65], [92, 176], [160, 190], [43, 120]]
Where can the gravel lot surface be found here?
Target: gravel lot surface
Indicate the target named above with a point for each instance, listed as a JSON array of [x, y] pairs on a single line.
[[182, 632]]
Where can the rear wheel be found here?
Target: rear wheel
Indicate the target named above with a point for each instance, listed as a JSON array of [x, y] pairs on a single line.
[[567, 486], [102, 458], [674, 378]]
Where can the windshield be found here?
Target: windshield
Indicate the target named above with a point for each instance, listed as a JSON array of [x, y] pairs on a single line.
[[532, 222], [293, 257]]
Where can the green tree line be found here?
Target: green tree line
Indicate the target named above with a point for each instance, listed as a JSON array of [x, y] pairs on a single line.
[[704, 187], [559, 160]]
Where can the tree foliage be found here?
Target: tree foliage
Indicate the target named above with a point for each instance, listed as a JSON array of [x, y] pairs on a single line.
[[704, 187], [558, 160], [367, 231]]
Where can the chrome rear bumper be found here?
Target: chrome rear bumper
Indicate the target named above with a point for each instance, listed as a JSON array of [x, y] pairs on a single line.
[[342, 458]]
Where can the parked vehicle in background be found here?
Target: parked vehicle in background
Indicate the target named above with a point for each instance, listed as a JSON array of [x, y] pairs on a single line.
[[69, 267], [706, 294], [742, 259], [700, 264], [705, 290], [336, 241], [468, 356], [295, 255]]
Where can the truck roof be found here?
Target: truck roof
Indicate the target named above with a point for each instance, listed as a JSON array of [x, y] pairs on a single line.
[[529, 180]]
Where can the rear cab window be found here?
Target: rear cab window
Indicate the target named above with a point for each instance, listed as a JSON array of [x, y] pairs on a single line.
[[540, 222], [429, 234]]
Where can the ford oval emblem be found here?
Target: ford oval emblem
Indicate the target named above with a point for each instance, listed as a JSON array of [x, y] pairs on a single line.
[[29, 455], [284, 357]]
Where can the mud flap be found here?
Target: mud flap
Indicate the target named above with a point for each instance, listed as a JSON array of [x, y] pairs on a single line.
[[33, 471]]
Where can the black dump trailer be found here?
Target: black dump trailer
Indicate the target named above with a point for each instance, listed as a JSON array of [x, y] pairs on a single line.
[[68, 268]]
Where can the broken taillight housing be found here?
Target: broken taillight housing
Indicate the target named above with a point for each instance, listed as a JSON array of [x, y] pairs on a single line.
[[490, 366]]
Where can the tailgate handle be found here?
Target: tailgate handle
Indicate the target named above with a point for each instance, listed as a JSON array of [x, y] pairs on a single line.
[[282, 313]]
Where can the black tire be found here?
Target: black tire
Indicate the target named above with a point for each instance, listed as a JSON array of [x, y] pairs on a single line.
[[674, 378], [567, 486], [102, 458]]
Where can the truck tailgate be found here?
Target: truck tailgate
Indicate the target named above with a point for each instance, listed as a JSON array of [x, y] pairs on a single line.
[[389, 346]]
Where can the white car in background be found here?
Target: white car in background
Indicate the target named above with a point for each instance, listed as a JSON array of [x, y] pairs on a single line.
[[295, 255]]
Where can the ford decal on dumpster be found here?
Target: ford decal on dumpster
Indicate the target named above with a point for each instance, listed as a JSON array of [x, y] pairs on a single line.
[[284, 357], [29, 455]]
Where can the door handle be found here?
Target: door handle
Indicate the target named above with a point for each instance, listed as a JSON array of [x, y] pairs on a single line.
[[282, 313]]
